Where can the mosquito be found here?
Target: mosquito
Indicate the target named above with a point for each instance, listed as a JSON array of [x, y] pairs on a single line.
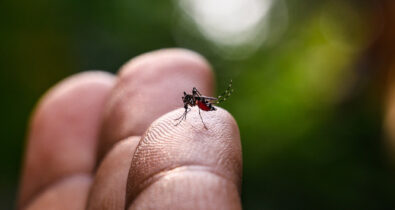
[[204, 103]]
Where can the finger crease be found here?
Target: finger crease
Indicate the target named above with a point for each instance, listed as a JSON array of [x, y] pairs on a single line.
[[137, 190]]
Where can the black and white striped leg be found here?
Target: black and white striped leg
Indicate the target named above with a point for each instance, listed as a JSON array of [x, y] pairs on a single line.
[[201, 118], [182, 117]]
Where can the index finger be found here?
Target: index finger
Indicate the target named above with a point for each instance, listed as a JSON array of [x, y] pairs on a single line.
[[149, 86]]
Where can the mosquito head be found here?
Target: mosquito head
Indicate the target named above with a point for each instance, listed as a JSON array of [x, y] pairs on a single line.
[[188, 99], [183, 97]]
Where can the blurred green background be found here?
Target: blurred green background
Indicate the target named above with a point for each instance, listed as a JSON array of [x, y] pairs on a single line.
[[309, 79]]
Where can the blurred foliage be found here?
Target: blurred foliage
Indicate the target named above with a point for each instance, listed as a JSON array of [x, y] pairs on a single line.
[[305, 96]]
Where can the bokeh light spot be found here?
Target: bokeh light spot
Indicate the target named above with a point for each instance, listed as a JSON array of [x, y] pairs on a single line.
[[227, 22], [235, 28]]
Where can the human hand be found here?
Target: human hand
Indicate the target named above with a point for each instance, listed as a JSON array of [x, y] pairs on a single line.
[[93, 144]]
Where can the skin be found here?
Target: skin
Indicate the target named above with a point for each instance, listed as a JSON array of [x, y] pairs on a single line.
[[102, 141]]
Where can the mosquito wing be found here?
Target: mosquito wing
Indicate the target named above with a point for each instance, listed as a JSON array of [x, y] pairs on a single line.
[[209, 98]]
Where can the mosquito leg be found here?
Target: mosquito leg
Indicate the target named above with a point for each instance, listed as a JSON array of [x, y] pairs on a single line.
[[202, 120], [186, 112], [183, 116], [180, 119]]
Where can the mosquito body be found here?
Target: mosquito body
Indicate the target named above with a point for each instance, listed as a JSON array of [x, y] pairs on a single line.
[[204, 103]]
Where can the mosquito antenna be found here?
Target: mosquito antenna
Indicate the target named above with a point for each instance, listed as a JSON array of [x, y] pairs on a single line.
[[225, 94]]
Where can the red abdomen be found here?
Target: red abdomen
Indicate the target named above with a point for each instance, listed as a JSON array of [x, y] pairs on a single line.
[[203, 106]]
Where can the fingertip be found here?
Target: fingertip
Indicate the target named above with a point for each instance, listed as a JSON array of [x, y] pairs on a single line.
[[166, 147]]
